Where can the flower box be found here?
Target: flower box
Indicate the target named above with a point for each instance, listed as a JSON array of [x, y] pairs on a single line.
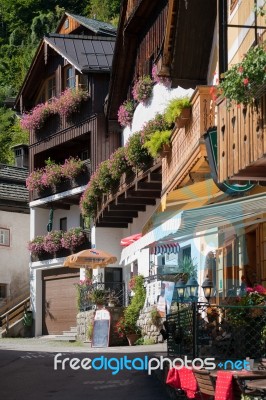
[[183, 119], [166, 149]]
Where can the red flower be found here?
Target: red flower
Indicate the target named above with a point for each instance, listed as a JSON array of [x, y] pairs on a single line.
[[240, 69], [245, 81]]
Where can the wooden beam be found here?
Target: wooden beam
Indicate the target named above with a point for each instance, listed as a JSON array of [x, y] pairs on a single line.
[[118, 218], [128, 213], [148, 186], [127, 207], [111, 225], [133, 200], [143, 194]]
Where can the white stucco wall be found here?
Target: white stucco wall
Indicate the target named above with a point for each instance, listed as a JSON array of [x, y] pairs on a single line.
[[14, 260], [42, 217], [161, 96]]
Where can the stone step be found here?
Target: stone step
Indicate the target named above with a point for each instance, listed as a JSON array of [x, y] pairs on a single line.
[[65, 338]]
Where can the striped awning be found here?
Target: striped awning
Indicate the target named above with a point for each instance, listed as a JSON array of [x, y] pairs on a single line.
[[187, 224], [167, 248]]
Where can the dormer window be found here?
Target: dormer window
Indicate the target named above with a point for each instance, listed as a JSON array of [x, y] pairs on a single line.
[[66, 24]]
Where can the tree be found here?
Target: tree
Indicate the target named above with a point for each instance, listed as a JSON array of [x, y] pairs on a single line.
[[10, 135]]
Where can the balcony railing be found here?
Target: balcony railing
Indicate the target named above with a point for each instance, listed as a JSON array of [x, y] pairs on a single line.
[[188, 150], [241, 137]]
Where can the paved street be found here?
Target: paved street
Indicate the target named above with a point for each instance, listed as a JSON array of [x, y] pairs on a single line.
[[27, 373]]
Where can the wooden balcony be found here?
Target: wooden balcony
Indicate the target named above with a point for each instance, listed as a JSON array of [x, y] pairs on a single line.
[[134, 193], [187, 159], [241, 136], [65, 186]]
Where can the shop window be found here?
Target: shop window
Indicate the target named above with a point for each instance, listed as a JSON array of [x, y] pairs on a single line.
[[3, 291], [4, 237]]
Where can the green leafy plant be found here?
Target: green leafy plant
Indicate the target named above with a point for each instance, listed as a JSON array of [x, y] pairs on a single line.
[[97, 296], [155, 317], [90, 331], [156, 142], [175, 108], [242, 80], [27, 319], [187, 268], [128, 322]]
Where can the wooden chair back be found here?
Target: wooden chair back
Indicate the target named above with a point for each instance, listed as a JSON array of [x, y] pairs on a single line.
[[204, 381]]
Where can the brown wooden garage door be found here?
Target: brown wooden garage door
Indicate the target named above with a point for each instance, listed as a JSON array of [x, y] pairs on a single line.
[[59, 300]]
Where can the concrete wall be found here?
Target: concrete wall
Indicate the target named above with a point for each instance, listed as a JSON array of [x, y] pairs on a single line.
[[14, 260]]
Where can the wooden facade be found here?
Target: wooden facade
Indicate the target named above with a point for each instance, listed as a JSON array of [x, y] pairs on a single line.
[[242, 141]]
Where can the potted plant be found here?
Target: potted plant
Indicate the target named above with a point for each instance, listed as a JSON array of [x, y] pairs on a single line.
[[112, 298], [73, 238], [125, 113], [158, 143], [142, 89], [186, 269], [36, 247], [97, 296], [37, 116], [137, 155], [69, 101], [242, 81], [52, 242], [124, 329], [71, 168], [178, 111]]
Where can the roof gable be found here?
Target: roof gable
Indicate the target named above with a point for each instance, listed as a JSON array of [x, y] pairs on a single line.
[[71, 22]]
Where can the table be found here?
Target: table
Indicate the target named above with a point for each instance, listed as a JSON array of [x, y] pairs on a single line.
[[257, 384], [243, 374]]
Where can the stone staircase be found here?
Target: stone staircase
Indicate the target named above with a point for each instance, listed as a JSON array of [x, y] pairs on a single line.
[[67, 336]]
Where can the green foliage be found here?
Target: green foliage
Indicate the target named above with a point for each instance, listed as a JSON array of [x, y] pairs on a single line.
[[156, 141], [27, 319], [187, 268], [10, 135], [155, 316], [131, 313], [137, 156], [242, 80], [103, 10], [175, 107]]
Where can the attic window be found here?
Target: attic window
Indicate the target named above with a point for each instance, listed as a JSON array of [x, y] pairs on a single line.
[[66, 24]]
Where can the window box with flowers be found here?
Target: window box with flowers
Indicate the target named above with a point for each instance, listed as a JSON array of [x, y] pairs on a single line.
[[178, 112], [245, 81], [142, 89], [66, 104], [73, 239]]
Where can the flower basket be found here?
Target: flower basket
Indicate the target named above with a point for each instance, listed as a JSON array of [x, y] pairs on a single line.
[[183, 119], [132, 338]]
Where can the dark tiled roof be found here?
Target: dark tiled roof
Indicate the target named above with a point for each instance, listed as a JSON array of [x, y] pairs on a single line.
[[13, 184], [85, 53], [94, 25], [13, 173], [14, 192]]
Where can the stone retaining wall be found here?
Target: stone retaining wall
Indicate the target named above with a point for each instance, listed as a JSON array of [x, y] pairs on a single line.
[[149, 330]]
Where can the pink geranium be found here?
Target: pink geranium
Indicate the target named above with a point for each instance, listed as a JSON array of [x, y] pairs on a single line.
[[69, 101]]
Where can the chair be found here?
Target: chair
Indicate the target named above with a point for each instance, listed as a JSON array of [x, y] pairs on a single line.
[[205, 383]]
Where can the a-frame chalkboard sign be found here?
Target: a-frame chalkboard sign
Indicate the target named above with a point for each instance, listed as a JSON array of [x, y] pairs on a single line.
[[101, 329]]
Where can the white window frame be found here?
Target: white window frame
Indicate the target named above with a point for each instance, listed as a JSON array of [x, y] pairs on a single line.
[[5, 237]]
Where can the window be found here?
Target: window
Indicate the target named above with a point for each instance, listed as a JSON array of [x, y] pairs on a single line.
[[63, 224], [51, 88], [66, 24], [4, 237], [3, 291], [70, 77]]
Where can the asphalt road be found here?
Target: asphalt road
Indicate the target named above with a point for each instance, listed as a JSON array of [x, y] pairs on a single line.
[[30, 375]]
